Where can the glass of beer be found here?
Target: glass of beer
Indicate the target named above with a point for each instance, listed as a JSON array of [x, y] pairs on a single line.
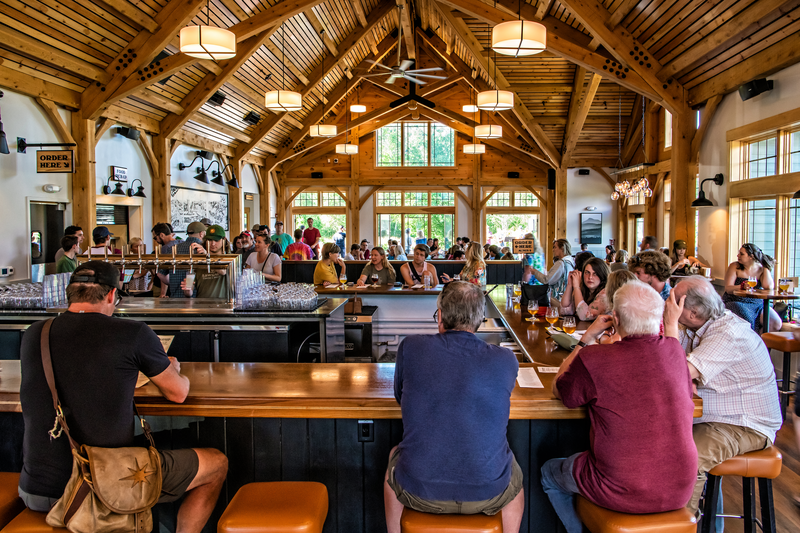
[[784, 285], [343, 277], [752, 281], [517, 290], [568, 323], [552, 314]]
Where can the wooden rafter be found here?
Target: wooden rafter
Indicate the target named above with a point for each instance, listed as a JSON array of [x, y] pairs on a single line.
[[706, 115], [370, 192], [576, 122], [55, 119], [297, 192], [611, 181], [103, 125], [34, 87], [164, 69], [408, 28], [537, 195], [489, 196], [130, 12], [313, 19]]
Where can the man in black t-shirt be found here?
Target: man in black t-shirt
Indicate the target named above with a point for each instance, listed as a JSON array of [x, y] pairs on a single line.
[[95, 382]]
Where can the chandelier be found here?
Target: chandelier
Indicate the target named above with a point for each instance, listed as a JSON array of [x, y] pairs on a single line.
[[635, 176]]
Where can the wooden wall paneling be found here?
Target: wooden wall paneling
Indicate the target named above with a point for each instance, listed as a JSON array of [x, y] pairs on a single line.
[[84, 193]]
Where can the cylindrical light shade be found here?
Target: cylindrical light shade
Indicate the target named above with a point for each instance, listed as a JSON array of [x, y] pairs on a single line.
[[488, 131], [283, 101], [208, 42], [495, 100], [469, 108], [322, 130], [358, 108], [347, 149], [474, 148], [519, 38]]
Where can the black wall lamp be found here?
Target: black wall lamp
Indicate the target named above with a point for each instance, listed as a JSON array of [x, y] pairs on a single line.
[[702, 201], [118, 191], [231, 182], [140, 190], [201, 172], [217, 175]]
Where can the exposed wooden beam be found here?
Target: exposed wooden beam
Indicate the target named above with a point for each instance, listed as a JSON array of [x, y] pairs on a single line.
[[174, 144], [313, 19], [542, 9], [658, 182], [157, 100], [296, 193], [55, 120], [611, 181], [151, 74], [408, 28], [576, 125], [132, 13], [149, 155], [216, 125], [103, 125], [370, 192], [395, 89], [123, 116], [489, 196], [274, 16], [537, 195], [457, 190], [730, 28], [28, 85], [621, 12], [541, 87], [192, 139], [294, 69], [706, 115]]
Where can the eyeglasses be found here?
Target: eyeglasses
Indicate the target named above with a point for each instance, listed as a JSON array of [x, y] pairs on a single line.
[[117, 298], [436, 316]]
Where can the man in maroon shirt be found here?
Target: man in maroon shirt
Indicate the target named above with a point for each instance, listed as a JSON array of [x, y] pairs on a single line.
[[638, 392], [311, 237]]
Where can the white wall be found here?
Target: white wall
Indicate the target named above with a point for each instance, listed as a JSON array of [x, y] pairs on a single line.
[[463, 214], [714, 158], [583, 192], [248, 183], [19, 182], [366, 220]]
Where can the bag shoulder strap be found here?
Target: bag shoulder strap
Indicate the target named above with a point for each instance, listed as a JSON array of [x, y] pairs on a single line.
[[47, 366], [413, 270]]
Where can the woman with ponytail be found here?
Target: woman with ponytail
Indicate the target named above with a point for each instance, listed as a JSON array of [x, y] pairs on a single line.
[[751, 263]]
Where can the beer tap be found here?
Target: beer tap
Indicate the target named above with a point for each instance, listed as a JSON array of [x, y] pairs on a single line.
[[174, 261], [157, 259], [191, 259], [140, 260], [105, 252], [122, 261], [208, 260]]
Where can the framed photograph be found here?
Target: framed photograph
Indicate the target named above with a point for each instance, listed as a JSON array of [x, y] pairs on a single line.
[[191, 205], [591, 228]]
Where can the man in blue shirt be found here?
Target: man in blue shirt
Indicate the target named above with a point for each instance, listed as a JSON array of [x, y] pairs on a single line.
[[455, 394]]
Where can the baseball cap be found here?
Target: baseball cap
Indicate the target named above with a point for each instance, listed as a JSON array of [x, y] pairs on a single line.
[[279, 223], [195, 227], [215, 233], [206, 221], [256, 227], [679, 244], [104, 274], [100, 232]]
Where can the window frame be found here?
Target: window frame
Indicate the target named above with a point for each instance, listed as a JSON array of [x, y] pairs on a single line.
[[294, 210], [429, 164], [513, 209], [404, 209]]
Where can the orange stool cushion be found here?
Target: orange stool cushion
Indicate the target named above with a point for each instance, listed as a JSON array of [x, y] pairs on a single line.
[[277, 507], [10, 503], [416, 522], [764, 464], [601, 520], [30, 522], [783, 341]]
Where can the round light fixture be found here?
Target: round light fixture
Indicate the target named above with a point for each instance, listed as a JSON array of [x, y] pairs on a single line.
[[495, 100], [322, 130], [347, 149], [208, 42], [470, 108], [358, 108], [488, 131], [474, 149], [283, 101], [519, 38]]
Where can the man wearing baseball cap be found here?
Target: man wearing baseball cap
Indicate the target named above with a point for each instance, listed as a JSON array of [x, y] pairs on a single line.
[[213, 284], [196, 231], [283, 239], [102, 240], [96, 383]]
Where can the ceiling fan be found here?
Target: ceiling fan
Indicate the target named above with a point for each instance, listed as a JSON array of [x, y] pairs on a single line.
[[401, 69]]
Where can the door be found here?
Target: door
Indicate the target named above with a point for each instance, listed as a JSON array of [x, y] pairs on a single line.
[[47, 229]]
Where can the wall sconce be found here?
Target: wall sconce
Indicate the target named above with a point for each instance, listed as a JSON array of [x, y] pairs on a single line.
[[201, 172], [118, 191], [231, 182], [702, 201], [139, 193]]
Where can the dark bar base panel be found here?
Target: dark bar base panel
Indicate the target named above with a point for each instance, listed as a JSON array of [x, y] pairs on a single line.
[[328, 451]]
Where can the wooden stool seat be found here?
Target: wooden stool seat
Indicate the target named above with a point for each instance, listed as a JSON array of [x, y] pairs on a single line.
[[764, 464], [601, 520], [10, 503], [30, 522], [415, 522], [783, 341], [276, 507]]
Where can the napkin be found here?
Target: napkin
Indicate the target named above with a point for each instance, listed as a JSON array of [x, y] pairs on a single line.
[[417, 286], [528, 378]]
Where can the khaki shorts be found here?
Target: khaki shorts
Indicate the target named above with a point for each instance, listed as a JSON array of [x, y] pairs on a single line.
[[178, 470], [488, 507]]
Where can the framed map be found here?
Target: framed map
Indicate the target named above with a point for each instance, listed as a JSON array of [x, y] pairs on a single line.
[[192, 205]]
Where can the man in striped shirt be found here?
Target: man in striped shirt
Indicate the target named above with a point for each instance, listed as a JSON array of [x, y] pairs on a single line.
[[734, 375]]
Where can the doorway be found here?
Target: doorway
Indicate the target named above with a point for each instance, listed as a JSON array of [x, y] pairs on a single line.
[[47, 229]]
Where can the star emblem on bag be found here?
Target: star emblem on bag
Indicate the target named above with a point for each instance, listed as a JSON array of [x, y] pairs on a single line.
[[139, 474]]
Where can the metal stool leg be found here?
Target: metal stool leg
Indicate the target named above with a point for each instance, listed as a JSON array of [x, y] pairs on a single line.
[[786, 382], [749, 504], [767, 506], [708, 523]]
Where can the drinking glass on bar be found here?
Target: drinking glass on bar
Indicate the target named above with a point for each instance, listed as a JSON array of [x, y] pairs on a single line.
[[552, 314], [784, 285], [568, 324], [752, 281]]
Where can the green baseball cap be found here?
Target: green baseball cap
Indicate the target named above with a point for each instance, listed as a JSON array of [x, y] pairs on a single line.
[[215, 233]]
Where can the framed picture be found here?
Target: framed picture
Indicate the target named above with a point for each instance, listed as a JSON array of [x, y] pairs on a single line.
[[192, 205], [591, 228]]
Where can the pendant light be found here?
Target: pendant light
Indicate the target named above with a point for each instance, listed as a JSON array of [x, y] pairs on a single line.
[[519, 38], [358, 108], [488, 131], [283, 100], [208, 42], [495, 100], [346, 148], [474, 149], [323, 130], [469, 108]]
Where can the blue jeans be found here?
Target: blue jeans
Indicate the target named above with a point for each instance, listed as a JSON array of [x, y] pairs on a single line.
[[559, 485]]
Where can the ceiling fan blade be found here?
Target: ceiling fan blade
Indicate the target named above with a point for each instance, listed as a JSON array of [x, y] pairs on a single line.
[[392, 79], [374, 75], [406, 64], [426, 76], [377, 64], [435, 69], [414, 80]]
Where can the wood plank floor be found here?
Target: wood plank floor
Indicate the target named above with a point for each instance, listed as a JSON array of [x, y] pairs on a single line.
[[784, 488]]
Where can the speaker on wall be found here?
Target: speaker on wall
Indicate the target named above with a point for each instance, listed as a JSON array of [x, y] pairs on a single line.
[[130, 133], [754, 88], [551, 179], [217, 99], [513, 175], [583, 172], [316, 175]]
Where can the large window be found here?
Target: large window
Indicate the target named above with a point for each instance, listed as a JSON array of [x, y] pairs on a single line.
[[414, 215], [793, 266], [762, 158], [326, 207], [415, 144], [761, 225], [510, 214]]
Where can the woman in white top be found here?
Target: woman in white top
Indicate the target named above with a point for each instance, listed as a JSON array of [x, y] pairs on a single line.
[[264, 261]]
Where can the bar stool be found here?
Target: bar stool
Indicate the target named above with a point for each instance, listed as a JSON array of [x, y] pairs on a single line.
[[415, 522], [764, 465], [276, 507], [783, 341], [10, 503], [30, 522], [601, 520]]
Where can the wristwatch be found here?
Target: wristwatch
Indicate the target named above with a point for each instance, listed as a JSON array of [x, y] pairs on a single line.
[[581, 344]]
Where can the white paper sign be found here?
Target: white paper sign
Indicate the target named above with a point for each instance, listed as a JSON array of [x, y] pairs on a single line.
[[528, 378], [548, 369]]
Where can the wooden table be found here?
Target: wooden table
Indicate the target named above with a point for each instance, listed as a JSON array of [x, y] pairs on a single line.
[[765, 295]]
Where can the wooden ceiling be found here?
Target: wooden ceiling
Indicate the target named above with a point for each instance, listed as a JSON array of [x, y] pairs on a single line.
[[579, 98]]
